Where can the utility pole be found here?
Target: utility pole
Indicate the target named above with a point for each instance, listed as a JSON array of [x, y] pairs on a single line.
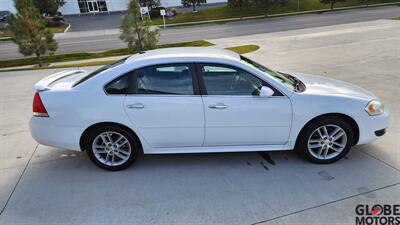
[[298, 6]]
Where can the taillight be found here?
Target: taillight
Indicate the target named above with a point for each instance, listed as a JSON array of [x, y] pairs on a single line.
[[38, 107]]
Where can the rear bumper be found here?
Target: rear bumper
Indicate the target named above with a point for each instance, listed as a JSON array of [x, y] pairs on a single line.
[[46, 133], [373, 127]]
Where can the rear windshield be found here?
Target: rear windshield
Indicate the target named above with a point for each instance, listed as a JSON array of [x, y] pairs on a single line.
[[102, 69]]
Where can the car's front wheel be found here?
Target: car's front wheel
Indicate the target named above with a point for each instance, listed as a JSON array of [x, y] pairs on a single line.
[[111, 148], [325, 140]]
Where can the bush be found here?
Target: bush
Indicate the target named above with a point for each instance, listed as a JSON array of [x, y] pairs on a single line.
[[55, 21]]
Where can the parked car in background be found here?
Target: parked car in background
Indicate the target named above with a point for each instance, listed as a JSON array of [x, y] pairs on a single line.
[[189, 100], [4, 15]]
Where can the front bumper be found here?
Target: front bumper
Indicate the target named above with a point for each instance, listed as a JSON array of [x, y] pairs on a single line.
[[379, 133], [372, 127]]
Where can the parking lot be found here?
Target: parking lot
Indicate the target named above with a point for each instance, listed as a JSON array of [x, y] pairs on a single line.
[[44, 185]]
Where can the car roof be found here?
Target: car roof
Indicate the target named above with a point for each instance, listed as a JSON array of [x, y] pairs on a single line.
[[184, 52]]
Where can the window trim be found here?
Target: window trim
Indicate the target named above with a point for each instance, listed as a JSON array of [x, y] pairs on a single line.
[[203, 89]]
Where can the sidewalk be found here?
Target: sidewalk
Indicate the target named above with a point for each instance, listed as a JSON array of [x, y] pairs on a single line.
[[106, 60], [92, 33]]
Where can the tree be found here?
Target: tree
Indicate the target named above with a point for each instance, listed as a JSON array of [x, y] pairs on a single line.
[[260, 4], [331, 2], [136, 32], [192, 3], [366, 2], [266, 4], [29, 31], [49, 7], [241, 4]]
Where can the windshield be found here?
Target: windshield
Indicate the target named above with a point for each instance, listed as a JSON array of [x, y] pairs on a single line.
[[270, 73], [94, 73]]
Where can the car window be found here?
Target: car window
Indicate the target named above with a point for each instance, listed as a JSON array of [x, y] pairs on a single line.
[[226, 80], [174, 79], [119, 85]]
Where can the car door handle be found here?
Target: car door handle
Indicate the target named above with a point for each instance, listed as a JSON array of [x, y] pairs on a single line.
[[218, 106], [135, 106]]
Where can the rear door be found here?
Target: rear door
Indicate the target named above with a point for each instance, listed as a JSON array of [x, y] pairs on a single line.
[[236, 114], [166, 106]]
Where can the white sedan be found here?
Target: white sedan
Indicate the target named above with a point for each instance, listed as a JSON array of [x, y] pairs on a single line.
[[190, 100]]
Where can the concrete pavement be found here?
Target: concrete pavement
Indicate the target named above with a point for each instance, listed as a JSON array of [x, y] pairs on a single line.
[[62, 187], [100, 40]]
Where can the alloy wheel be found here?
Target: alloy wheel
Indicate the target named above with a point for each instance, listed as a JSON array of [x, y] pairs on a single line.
[[327, 142], [111, 148]]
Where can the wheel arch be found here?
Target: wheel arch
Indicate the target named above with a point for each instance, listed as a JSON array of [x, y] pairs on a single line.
[[103, 124], [348, 119]]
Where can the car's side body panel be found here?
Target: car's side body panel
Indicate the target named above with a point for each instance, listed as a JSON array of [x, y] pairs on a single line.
[[307, 107], [247, 120], [178, 124], [167, 121]]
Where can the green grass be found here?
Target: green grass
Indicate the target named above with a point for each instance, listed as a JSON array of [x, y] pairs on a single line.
[[238, 49], [96, 63], [225, 12], [5, 34], [243, 49], [90, 55], [58, 29], [395, 18]]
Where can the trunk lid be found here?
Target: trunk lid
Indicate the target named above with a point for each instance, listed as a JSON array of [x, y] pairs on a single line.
[[61, 80]]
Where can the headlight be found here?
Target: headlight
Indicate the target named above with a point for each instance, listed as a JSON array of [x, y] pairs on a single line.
[[374, 108]]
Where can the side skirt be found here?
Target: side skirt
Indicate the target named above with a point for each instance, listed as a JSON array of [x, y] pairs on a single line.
[[209, 149]]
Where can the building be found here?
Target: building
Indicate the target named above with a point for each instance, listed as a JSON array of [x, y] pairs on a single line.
[[79, 6], [93, 6]]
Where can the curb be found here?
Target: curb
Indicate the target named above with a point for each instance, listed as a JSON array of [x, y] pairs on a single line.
[[276, 15], [6, 39], [67, 29]]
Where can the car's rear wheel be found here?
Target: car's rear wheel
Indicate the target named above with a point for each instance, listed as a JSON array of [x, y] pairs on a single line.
[[111, 148], [325, 140]]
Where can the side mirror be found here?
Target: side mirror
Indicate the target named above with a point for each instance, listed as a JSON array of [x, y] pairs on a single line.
[[266, 92]]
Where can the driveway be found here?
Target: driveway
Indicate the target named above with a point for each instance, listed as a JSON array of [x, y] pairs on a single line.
[[44, 185]]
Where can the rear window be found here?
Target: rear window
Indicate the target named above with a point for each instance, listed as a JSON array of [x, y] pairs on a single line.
[[102, 69]]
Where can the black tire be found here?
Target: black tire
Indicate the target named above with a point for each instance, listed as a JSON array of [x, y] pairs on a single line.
[[302, 141], [134, 146]]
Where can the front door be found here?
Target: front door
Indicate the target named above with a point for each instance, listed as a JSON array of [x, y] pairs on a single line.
[[236, 114], [93, 6], [166, 108]]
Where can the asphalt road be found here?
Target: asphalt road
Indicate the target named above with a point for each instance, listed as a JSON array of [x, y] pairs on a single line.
[[108, 39], [45, 185], [112, 20]]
